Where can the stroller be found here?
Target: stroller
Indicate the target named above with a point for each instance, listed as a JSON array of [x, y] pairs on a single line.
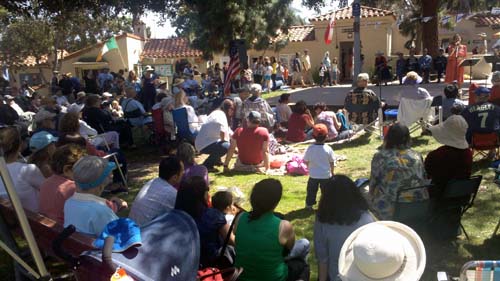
[[170, 251]]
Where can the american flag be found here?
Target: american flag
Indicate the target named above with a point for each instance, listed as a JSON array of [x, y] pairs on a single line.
[[233, 69]]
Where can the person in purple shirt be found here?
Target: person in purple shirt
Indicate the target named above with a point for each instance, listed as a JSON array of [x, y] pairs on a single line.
[[186, 154]]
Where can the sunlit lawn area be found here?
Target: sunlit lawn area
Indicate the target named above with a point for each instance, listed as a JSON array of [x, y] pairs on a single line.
[[448, 256], [441, 255]]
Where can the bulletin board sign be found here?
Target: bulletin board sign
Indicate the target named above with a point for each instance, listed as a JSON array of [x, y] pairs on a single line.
[[164, 70]]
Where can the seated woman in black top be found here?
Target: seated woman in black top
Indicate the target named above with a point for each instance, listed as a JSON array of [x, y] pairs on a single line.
[[102, 120]]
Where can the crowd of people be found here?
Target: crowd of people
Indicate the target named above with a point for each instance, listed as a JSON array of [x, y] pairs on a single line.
[[64, 151]]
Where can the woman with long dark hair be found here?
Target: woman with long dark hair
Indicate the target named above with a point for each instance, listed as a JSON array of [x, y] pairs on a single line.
[[263, 239], [192, 198], [342, 209]]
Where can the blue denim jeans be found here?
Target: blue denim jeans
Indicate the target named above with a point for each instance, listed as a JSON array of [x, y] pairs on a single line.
[[215, 151], [312, 189]]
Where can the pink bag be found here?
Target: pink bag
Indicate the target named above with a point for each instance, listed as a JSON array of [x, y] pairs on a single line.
[[296, 166]]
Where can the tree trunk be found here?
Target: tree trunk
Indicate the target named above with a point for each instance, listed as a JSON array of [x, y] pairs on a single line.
[[430, 28]]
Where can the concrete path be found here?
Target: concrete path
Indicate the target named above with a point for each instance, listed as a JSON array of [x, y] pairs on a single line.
[[335, 95]]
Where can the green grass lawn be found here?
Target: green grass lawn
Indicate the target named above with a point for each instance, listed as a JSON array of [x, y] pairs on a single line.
[[441, 256]]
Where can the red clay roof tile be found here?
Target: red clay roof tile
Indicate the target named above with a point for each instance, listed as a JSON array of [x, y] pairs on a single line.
[[346, 13], [169, 48]]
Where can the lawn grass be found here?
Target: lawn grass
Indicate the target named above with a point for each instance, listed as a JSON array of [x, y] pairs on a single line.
[[479, 221]]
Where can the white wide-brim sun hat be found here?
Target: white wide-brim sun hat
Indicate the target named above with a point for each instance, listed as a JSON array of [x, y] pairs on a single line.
[[382, 251], [451, 132]]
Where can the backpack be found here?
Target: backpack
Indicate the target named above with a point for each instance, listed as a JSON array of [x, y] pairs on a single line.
[[296, 166]]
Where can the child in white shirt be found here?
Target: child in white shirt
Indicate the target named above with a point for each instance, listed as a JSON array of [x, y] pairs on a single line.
[[319, 158]]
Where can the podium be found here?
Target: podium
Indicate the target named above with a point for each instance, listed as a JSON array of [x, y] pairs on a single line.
[[495, 62], [470, 63]]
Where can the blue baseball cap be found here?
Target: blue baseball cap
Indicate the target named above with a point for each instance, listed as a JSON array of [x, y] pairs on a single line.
[[482, 91], [126, 232], [41, 139]]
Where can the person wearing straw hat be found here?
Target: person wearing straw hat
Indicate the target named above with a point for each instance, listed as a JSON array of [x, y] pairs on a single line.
[[384, 250], [452, 160], [88, 212], [148, 92]]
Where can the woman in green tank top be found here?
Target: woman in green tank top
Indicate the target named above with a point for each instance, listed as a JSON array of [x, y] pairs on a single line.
[[262, 239]]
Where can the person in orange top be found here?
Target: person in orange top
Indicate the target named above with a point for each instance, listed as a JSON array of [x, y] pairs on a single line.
[[495, 90], [456, 54]]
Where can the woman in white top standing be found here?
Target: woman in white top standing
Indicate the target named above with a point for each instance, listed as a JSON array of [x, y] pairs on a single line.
[[335, 71], [328, 64], [268, 71], [26, 178]]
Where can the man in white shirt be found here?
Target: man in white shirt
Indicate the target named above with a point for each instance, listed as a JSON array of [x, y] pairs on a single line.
[[213, 137], [306, 63], [158, 195]]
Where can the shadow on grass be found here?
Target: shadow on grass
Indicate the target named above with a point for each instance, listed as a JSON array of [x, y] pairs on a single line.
[[486, 251], [360, 141], [299, 214]]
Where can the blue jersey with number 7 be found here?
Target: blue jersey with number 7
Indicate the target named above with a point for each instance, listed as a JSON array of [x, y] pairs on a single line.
[[482, 118]]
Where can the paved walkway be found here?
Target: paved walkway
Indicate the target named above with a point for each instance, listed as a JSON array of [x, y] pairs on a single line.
[[335, 95]]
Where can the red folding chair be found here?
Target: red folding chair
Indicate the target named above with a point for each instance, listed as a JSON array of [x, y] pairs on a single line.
[[483, 143]]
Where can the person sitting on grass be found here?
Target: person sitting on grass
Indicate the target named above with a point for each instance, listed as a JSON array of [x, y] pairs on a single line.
[[186, 153], [56, 189], [252, 142], [336, 129], [26, 178], [257, 103], [451, 100], [213, 138], [342, 209], [299, 121], [212, 225], [158, 195], [320, 160], [265, 243], [42, 146], [396, 166], [283, 110], [88, 212], [223, 201]]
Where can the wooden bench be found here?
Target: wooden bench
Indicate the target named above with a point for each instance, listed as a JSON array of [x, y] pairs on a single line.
[[45, 231]]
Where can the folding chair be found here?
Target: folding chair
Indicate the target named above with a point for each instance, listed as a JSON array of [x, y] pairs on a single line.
[[414, 214], [372, 126], [118, 165], [459, 195], [483, 143], [182, 124], [475, 271], [159, 132], [418, 113]]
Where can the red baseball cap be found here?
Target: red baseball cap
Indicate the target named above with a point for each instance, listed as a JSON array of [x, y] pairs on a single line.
[[320, 130]]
